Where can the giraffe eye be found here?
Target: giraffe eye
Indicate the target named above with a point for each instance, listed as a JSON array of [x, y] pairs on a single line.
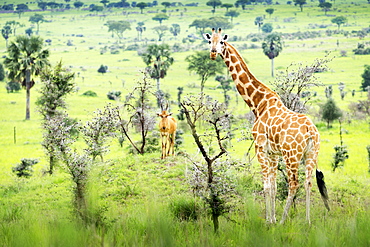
[[221, 42], [209, 42]]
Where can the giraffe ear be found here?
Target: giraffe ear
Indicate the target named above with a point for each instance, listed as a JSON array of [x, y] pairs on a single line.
[[226, 37], [207, 36]]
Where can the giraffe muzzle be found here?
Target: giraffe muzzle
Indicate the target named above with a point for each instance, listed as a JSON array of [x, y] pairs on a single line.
[[213, 55]]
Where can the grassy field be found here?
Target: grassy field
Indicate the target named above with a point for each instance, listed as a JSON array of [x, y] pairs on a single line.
[[130, 196]]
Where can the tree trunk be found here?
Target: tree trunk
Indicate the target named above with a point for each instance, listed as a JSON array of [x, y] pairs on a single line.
[[215, 222], [28, 94], [272, 67]]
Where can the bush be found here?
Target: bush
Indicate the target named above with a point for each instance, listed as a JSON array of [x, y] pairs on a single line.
[[114, 95], [90, 93], [24, 169], [13, 86]]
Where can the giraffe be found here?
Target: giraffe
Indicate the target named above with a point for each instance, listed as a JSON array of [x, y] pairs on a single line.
[[167, 129], [277, 131]]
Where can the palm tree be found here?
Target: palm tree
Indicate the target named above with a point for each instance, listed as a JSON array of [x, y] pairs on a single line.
[[158, 59], [26, 59], [272, 48]]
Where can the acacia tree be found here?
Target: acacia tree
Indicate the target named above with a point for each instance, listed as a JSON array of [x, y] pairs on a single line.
[[160, 17], [326, 6], [300, 3], [36, 19], [242, 3], [214, 4], [158, 59], [210, 181], [272, 46], [339, 20], [26, 59], [57, 83], [294, 85], [139, 113], [118, 27], [232, 14], [161, 31], [99, 130], [141, 6], [203, 66], [270, 11]]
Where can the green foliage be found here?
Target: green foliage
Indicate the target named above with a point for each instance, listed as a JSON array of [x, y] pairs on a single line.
[[330, 111], [118, 27], [114, 95], [24, 169], [339, 20], [270, 11], [341, 154], [160, 17], [202, 65], [365, 78], [90, 93], [185, 209], [13, 86], [103, 69], [20, 52], [300, 3], [267, 28]]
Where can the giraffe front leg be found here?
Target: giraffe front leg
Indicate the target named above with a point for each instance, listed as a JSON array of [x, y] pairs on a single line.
[[268, 185]]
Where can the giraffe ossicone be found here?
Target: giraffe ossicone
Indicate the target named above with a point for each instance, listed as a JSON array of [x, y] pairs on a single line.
[[277, 131]]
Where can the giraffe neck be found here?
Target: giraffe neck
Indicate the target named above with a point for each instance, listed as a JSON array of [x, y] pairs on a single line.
[[256, 94]]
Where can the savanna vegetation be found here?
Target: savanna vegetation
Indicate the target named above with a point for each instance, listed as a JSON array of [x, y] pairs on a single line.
[[83, 166]]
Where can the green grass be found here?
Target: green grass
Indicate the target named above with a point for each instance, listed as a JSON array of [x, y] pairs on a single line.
[[130, 197]]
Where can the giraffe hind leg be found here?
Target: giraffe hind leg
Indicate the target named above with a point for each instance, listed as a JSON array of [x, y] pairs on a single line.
[[292, 169]]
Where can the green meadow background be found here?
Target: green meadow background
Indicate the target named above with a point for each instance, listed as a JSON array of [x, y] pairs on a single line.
[[131, 195]]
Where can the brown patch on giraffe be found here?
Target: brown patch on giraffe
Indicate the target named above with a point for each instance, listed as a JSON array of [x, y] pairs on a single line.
[[234, 76], [231, 68], [294, 125], [238, 68], [303, 129], [291, 132], [244, 78], [279, 121], [240, 89], [257, 98], [227, 62], [250, 89], [233, 59], [301, 120]]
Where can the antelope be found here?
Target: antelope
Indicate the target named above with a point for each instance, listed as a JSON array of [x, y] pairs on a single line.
[[167, 129]]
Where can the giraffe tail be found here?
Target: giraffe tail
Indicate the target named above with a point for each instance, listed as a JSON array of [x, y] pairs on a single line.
[[322, 188]]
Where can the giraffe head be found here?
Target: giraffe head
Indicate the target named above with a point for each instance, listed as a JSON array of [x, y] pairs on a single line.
[[216, 42]]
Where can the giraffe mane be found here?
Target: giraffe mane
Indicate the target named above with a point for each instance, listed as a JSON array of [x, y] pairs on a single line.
[[245, 68]]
